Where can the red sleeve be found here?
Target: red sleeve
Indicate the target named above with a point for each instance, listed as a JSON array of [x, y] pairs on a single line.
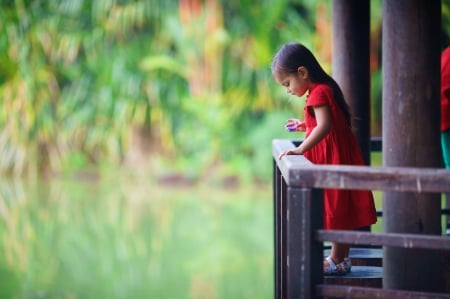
[[445, 110], [320, 95]]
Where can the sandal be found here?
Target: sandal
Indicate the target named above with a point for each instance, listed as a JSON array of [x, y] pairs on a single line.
[[342, 268]]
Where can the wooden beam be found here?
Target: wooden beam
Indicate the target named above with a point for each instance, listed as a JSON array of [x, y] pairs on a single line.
[[337, 291], [384, 239], [299, 172]]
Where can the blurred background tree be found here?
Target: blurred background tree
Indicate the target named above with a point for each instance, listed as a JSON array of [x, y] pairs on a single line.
[[180, 86]]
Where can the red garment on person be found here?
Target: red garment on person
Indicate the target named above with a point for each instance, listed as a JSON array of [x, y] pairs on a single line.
[[343, 209], [445, 89]]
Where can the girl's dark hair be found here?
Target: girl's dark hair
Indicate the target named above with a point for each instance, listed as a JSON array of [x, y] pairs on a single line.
[[291, 56]]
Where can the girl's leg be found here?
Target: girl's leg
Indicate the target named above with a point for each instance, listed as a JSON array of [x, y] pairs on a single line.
[[339, 251]]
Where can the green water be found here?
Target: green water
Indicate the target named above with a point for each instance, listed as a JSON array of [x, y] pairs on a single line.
[[134, 239]]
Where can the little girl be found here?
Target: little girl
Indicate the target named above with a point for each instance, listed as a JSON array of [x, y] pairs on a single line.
[[329, 140]]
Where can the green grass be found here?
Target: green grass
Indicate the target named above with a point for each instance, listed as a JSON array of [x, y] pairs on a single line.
[[376, 160]]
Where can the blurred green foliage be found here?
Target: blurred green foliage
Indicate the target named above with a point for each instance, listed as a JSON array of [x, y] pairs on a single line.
[[128, 238], [93, 78], [105, 82]]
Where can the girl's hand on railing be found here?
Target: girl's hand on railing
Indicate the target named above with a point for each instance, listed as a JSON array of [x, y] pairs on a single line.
[[284, 154], [295, 125], [295, 151]]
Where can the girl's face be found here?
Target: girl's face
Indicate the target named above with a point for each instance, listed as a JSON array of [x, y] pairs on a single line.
[[296, 83]]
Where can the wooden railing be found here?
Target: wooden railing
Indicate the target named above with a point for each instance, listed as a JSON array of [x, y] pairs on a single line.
[[298, 202]]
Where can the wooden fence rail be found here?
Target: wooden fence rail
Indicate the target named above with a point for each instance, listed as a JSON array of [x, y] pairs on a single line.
[[298, 213]]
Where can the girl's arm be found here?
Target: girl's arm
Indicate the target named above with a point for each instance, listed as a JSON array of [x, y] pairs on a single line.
[[323, 118]]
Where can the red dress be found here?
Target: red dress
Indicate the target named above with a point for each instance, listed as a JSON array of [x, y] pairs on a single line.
[[343, 209]]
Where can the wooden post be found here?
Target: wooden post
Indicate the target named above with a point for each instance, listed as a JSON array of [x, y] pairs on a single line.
[[305, 254], [351, 63], [411, 80], [280, 210]]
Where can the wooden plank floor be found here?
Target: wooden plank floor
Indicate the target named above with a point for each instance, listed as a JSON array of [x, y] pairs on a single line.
[[364, 276]]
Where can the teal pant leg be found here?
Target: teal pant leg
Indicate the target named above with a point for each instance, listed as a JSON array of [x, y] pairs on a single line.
[[445, 143]]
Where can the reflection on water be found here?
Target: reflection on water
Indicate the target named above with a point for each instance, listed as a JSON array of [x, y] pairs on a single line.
[[125, 239]]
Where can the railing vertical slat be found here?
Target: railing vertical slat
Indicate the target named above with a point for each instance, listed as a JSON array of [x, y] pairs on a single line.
[[305, 254], [280, 234]]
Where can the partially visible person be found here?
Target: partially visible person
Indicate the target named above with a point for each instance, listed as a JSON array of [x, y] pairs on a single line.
[[445, 117], [445, 106]]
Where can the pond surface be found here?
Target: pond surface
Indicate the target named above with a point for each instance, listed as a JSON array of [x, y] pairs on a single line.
[[134, 239]]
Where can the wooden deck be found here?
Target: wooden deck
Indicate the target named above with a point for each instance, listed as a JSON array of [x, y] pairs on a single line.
[[363, 276]]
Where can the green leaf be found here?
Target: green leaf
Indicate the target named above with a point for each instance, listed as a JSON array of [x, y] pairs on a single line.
[[163, 62]]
